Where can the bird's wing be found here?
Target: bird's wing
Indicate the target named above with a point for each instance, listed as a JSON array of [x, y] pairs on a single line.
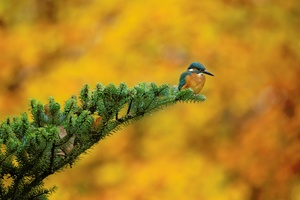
[[182, 79]]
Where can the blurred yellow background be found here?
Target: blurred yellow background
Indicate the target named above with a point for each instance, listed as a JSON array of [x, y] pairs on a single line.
[[242, 143]]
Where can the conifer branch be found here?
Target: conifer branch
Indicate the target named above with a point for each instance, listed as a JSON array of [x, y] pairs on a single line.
[[31, 151]]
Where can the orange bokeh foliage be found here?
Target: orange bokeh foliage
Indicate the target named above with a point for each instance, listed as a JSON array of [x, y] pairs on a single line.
[[241, 143]]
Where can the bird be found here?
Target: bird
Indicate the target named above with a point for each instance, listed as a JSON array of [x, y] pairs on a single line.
[[194, 77]]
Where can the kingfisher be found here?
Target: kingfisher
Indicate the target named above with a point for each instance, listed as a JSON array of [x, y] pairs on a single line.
[[194, 77]]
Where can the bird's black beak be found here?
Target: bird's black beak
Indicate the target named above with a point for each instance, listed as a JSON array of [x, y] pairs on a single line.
[[207, 72]]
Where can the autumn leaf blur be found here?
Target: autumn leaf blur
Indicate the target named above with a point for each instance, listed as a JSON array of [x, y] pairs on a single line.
[[241, 143]]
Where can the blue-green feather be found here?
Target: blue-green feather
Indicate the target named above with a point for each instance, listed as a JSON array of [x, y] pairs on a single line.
[[197, 66], [183, 78]]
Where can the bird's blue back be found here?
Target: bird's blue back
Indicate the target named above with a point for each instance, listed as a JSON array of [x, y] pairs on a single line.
[[182, 79]]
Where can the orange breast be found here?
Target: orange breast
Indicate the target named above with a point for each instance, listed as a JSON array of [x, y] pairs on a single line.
[[195, 82]]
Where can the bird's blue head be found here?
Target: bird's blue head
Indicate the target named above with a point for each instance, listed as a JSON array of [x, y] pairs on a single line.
[[198, 68]]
